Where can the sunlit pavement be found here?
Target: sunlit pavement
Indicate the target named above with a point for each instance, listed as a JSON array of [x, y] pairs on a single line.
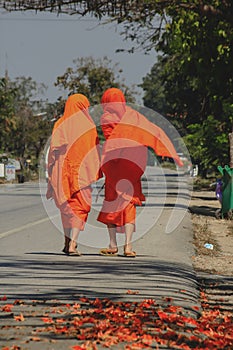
[[34, 268]]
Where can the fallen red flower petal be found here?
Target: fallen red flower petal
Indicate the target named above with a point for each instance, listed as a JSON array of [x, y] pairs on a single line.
[[60, 320], [7, 308], [147, 339], [196, 308], [61, 330], [132, 292], [47, 320], [35, 339], [19, 318]]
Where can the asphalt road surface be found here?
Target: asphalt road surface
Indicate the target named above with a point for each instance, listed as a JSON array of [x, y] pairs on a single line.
[[33, 266]]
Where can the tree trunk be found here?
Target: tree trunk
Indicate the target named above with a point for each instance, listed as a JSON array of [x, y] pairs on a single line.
[[231, 149]]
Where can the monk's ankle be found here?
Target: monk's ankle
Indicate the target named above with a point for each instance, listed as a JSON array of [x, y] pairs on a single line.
[[72, 246]]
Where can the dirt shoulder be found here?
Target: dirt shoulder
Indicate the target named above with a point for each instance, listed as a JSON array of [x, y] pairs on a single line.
[[208, 229]]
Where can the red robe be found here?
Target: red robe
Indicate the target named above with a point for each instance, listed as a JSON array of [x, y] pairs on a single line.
[[128, 134]]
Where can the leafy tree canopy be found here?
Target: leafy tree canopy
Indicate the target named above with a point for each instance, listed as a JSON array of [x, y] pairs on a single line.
[[192, 83], [192, 80], [24, 120], [92, 77], [136, 15]]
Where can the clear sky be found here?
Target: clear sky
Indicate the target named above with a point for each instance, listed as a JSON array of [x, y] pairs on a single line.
[[43, 45]]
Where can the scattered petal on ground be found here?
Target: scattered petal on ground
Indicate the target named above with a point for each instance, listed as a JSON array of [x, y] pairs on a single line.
[[130, 325]]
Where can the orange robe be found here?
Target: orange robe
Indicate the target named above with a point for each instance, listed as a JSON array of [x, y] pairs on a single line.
[[128, 134], [73, 162]]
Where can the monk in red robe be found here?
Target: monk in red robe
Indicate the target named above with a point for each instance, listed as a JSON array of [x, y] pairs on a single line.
[[128, 134], [73, 164]]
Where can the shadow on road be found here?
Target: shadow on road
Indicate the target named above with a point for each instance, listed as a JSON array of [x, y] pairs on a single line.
[[51, 276]]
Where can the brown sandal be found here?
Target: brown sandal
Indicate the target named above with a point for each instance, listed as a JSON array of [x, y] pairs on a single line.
[[75, 253], [129, 253], [109, 251]]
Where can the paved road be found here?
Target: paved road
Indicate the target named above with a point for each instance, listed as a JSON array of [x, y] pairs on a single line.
[[33, 267]]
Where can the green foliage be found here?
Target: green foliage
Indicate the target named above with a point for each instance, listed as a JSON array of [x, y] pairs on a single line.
[[191, 83], [24, 129], [208, 144], [92, 77], [7, 111]]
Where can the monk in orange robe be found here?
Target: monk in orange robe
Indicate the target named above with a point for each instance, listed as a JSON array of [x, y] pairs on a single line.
[[73, 165], [128, 134]]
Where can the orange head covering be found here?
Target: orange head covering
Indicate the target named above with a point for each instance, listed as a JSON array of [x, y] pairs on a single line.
[[76, 103], [74, 159], [113, 101], [114, 106]]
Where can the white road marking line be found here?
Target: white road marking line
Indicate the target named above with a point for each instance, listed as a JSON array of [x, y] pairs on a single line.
[[31, 224]]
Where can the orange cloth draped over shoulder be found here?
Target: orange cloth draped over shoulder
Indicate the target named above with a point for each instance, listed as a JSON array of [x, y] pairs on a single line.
[[128, 134], [74, 158]]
